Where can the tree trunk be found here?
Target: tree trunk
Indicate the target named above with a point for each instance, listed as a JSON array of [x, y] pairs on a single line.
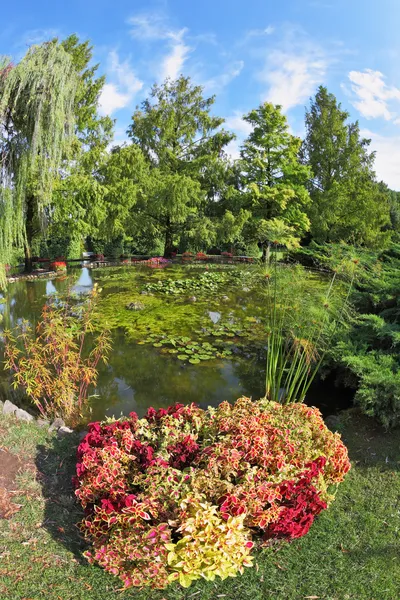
[[266, 253], [29, 231], [168, 248]]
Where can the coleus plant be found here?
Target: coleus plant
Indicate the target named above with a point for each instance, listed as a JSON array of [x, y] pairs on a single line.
[[184, 493]]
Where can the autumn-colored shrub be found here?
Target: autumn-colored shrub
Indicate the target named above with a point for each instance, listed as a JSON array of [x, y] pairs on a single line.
[[52, 363], [201, 256], [185, 493]]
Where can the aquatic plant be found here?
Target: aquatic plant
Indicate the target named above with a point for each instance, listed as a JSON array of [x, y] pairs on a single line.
[[301, 325], [52, 363], [185, 494], [205, 282]]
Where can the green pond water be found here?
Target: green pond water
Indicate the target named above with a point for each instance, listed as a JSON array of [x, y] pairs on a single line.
[[202, 342]]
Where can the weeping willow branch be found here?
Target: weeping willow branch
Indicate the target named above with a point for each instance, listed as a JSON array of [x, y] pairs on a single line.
[[36, 131]]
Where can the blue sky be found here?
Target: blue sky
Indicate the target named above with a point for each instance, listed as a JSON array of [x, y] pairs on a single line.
[[244, 51]]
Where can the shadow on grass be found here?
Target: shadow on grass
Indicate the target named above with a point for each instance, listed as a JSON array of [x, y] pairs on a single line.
[[56, 467], [369, 444]]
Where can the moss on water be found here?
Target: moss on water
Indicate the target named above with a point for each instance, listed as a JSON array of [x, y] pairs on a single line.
[[158, 315]]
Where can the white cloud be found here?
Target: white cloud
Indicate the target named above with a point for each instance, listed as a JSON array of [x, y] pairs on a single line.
[[241, 128], [148, 27], [172, 64], [120, 92], [217, 83], [153, 27], [293, 76], [387, 157], [373, 95], [238, 125], [38, 36], [233, 149], [293, 68]]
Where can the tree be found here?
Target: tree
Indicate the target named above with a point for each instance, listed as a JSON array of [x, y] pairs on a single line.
[[36, 131], [183, 143], [273, 179], [347, 203], [79, 198]]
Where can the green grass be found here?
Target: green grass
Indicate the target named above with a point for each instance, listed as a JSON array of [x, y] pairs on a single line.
[[351, 553]]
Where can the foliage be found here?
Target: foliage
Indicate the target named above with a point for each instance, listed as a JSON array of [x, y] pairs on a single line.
[[206, 282], [36, 129], [368, 352], [301, 325], [349, 536], [79, 201], [183, 143], [273, 179], [184, 493], [52, 364], [347, 202]]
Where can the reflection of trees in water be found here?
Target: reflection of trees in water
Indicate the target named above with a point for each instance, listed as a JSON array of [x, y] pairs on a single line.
[[139, 376], [24, 300], [157, 380]]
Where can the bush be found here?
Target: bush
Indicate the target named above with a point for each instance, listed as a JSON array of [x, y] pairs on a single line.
[[51, 363], [186, 493]]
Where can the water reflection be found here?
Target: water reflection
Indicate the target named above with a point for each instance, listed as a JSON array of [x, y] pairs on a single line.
[[139, 376], [85, 281], [50, 288], [214, 316], [136, 376]]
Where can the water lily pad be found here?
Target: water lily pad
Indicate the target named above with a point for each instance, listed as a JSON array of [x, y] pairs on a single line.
[[173, 351], [194, 361], [204, 357], [182, 356], [157, 345]]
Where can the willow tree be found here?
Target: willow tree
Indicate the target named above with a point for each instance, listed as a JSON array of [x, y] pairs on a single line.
[[36, 129]]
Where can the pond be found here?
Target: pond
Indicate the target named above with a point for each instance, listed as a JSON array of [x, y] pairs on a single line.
[[184, 334]]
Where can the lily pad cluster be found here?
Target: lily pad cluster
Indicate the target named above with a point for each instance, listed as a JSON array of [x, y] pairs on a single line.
[[188, 350], [227, 338], [205, 282]]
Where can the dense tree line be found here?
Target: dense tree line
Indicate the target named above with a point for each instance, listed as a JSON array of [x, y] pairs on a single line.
[[174, 186]]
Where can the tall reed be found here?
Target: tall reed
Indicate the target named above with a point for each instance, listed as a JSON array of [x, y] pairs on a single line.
[[301, 322]]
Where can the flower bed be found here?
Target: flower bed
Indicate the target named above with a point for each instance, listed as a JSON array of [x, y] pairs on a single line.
[[155, 262], [186, 493], [58, 265]]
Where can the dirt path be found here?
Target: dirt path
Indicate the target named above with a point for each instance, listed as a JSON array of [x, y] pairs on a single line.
[[10, 465]]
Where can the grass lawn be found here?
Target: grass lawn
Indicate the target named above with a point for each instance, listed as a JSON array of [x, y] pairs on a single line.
[[351, 553]]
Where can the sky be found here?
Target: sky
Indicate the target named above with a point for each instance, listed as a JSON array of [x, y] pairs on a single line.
[[243, 51]]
